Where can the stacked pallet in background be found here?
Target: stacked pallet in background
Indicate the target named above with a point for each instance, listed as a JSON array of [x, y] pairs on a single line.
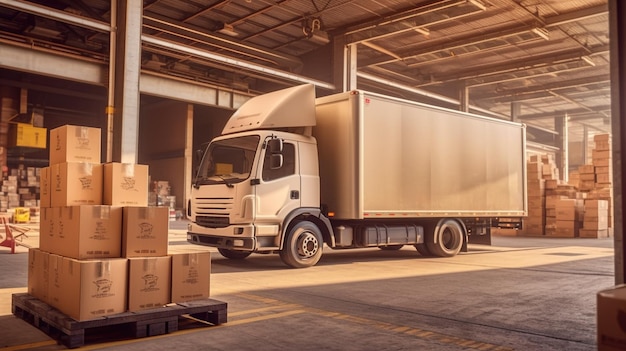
[[20, 190], [579, 208], [102, 249], [160, 195]]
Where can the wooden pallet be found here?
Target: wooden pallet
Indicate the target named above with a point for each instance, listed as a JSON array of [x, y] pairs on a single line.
[[157, 321]]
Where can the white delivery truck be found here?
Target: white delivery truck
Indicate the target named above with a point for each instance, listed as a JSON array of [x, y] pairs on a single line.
[[291, 173]]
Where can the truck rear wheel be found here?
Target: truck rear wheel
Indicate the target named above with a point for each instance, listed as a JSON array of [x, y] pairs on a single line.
[[446, 238], [234, 254], [303, 245]]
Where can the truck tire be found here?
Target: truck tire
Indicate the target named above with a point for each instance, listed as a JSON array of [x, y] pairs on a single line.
[[234, 254], [303, 245], [446, 240], [423, 250]]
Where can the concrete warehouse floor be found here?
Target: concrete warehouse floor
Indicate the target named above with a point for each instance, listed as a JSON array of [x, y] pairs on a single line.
[[519, 294]]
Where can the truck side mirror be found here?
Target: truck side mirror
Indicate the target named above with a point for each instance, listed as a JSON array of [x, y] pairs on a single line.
[[275, 146], [199, 154], [276, 161]]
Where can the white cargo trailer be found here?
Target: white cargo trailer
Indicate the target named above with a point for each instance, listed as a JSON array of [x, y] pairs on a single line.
[[356, 169]]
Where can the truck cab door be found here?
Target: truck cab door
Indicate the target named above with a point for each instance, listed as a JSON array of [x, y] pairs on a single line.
[[278, 188]]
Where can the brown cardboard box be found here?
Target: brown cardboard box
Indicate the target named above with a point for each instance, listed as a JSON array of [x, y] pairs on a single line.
[[569, 209], [536, 202], [596, 223], [55, 280], [89, 232], [602, 137], [125, 184], [588, 176], [76, 184], [566, 229], [89, 289], [38, 274], [597, 154], [44, 187], [586, 169], [190, 276], [534, 226], [145, 231], [75, 144], [149, 282], [603, 145], [595, 205], [606, 178], [593, 233], [534, 167], [611, 314], [48, 228], [601, 162]]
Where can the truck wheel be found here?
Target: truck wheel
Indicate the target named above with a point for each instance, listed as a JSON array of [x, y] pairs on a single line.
[[303, 245], [234, 254], [446, 239], [391, 247], [423, 250]]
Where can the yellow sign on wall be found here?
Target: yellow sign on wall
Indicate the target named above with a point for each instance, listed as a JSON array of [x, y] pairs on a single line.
[[25, 135]]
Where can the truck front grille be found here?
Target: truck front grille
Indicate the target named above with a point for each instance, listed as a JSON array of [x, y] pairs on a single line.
[[213, 212]]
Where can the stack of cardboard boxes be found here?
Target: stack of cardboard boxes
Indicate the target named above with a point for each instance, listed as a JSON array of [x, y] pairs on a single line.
[[102, 249], [579, 208]]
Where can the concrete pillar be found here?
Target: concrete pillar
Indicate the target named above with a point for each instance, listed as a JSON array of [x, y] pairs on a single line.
[[126, 65], [562, 157], [617, 28]]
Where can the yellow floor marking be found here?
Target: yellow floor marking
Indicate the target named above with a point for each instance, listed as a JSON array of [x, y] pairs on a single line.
[[29, 346], [190, 331]]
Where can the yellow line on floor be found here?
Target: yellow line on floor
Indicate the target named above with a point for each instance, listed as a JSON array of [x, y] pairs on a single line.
[[190, 331], [399, 329], [29, 346]]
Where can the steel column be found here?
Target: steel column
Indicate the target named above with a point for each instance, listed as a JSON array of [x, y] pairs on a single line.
[[617, 28]]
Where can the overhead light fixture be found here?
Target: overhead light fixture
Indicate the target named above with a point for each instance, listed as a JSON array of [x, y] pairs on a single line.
[[542, 32], [588, 60], [312, 29], [228, 29], [423, 31]]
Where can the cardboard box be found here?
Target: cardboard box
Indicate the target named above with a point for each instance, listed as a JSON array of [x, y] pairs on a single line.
[[90, 289], [596, 223], [569, 209], [588, 176], [606, 178], [602, 137], [88, 232], [125, 184], [611, 314], [26, 135], [190, 276], [75, 144], [145, 231], [55, 280], [149, 282], [601, 162], [586, 169], [598, 154], [595, 205], [38, 274], [44, 187], [48, 228], [76, 183], [534, 167]]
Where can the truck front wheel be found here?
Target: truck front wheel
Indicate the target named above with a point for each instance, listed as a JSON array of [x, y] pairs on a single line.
[[234, 254], [446, 238], [303, 245]]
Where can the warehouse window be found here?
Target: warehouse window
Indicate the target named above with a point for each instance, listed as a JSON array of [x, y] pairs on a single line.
[[289, 164]]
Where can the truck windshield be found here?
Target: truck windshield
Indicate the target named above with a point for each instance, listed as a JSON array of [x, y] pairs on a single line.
[[228, 161]]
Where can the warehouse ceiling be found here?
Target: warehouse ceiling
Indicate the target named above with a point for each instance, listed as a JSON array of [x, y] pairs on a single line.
[[538, 59]]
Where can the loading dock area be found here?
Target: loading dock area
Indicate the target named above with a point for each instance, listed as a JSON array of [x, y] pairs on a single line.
[[518, 294]]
